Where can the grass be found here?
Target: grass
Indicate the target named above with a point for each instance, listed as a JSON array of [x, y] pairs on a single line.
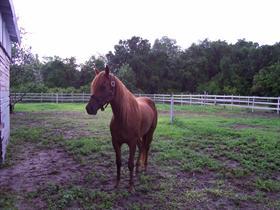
[[42, 107], [7, 200], [268, 185], [210, 157], [59, 197], [202, 108], [84, 146]]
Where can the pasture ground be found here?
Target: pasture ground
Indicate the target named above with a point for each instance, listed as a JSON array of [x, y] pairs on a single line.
[[210, 158]]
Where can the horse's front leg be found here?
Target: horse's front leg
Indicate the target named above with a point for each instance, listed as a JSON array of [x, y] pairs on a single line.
[[117, 148], [132, 149]]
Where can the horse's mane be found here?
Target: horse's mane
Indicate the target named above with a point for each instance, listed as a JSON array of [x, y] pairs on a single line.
[[125, 102]]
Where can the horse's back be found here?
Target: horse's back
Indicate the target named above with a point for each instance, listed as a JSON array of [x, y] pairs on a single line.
[[147, 104], [149, 114]]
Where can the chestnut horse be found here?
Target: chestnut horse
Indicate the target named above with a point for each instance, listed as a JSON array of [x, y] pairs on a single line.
[[134, 119]]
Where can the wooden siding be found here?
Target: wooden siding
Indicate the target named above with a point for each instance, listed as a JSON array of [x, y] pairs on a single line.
[[5, 40], [8, 32], [1, 28], [4, 103]]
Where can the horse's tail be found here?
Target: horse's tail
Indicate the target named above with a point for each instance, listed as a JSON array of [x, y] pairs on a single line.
[[148, 137], [152, 104]]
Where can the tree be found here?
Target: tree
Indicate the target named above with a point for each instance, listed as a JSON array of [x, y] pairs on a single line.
[[58, 72], [25, 74], [164, 62], [133, 52], [167, 46], [25, 69], [267, 81], [215, 67], [87, 69], [128, 77]]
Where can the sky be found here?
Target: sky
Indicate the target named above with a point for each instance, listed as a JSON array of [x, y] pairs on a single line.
[[92, 27]]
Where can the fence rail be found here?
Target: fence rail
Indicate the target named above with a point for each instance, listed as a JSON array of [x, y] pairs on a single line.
[[250, 102]]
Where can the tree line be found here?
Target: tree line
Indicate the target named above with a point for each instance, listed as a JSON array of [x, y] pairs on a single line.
[[213, 67]]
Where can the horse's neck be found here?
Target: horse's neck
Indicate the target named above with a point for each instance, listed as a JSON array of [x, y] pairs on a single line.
[[123, 102]]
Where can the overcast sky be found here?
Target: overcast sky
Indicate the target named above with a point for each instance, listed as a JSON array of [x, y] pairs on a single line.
[[92, 27]]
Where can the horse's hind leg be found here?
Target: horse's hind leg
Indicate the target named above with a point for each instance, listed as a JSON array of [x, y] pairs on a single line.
[[140, 149], [147, 139]]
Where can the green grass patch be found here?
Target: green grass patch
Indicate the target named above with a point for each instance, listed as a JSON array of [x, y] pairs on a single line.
[[267, 185], [25, 134], [41, 107], [7, 201], [63, 197], [84, 146], [200, 108], [256, 150]]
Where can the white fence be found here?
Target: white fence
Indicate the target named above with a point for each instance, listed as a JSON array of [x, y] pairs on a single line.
[[51, 97], [249, 102]]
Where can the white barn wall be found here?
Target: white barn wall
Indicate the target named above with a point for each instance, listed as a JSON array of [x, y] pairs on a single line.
[[1, 26], [8, 32], [5, 51], [4, 102]]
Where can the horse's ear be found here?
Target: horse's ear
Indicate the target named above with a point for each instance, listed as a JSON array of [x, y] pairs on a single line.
[[96, 72], [107, 70]]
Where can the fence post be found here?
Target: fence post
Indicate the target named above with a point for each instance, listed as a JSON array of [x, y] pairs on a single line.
[[203, 101], [231, 101], [278, 105], [239, 100], [181, 99], [215, 100], [253, 104], [83, 96], [41, 97], [171, 109], [57, 98], [190, 99], [154, 97]]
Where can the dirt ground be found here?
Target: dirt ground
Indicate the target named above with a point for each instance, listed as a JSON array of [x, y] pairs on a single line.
[[36, 167]]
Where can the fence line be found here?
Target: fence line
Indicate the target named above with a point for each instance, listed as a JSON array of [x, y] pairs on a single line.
[[172, 109], [250, 102]]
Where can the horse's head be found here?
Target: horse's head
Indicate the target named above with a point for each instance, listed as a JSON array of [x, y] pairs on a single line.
[[102, 91]]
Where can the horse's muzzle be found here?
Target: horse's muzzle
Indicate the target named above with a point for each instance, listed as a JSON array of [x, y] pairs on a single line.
[[91, 110]]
